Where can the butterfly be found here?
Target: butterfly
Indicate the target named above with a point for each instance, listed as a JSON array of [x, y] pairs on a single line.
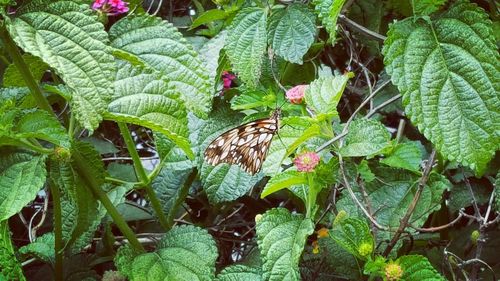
[[246, 145]]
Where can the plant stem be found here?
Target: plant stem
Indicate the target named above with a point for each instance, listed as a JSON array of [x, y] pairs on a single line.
[[90, 182], [181, 197], [56, 202], [141, 174], [24, 70]]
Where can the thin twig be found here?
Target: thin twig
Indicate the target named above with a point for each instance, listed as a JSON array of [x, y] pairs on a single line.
[[42, 219], [361, 28], [404, 221], [474, 201], [441, 227], [353, 196]]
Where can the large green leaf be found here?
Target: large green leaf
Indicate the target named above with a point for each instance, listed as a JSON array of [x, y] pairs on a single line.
[[323, 94], [19, 184], [70, 39], [292, 32], [418, 268], [246, 44], [448, 73], [281, 237], [210, 54], [240, 273], [185, 253], [144, 98], [10, 267], [328, 11], [366, 137], [161, 47]]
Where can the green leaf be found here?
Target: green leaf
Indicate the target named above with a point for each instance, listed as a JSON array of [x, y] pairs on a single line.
[[19, 185], [161, 47], [496, 186], [406, 156], [185, 253], [366, 137], [283, 180], [418, 268], [323, 94], [460, 196], [208, 17], [354, 236], [143, 98], [42, 248], [124, 258], [252, 98], [10, 267], [246, 44], [224, 182], [278, 151], [365, 172], [328, 11], [426, 7], [42, 125], [392, 192], [168, 186], [448, 73], [281, 237], [291, 32], [210, 54], [240, 272], [12, 77], [70, 39], [332, 260]]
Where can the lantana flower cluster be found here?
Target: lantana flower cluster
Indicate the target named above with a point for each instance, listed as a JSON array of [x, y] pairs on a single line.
[[111, 7], [296, 94], [306, 162]]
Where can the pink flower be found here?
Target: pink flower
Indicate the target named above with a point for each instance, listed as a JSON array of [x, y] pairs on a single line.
[[227, 79], [306, 162], [296, 94], [110, 7]]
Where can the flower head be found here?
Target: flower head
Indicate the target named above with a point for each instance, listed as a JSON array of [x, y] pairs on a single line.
[[315, 245], [306, 162], [110, 7], [393, 271], [227, 79], [296, 94], [322, 232]]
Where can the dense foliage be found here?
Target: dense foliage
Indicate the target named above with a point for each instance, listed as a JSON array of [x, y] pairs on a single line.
[[384, 166]]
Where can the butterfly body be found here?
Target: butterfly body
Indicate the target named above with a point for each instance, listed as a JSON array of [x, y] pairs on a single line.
[[245, 145]]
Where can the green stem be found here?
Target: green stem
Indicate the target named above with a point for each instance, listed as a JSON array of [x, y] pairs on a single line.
[[119, 181], [181, 197], [56, 201], [91, 182], [143, 177], [24, 70], [311, 197]]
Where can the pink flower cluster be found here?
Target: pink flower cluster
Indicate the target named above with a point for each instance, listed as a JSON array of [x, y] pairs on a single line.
[[306, 162], [296, 94], [111, 7], [227, 79]]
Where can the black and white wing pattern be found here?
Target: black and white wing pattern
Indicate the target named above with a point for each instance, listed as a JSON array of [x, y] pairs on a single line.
[[246, 145]]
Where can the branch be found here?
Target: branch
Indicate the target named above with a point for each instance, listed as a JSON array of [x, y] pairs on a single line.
[[404, 221], [361, 28], [441, 227]]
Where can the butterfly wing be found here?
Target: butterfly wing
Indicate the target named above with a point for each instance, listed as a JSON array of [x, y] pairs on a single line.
[[246, 145]]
